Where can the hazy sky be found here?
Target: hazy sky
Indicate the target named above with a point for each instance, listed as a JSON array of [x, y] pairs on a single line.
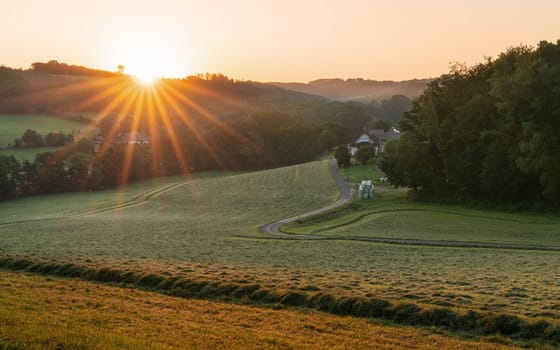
[[287, 40]]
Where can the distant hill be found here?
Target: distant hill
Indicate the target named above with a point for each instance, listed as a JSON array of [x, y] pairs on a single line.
[[59, 88], [358, 89], [71, 91]]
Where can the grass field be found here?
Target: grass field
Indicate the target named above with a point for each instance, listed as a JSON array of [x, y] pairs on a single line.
[[207, 228], [13, 126], [28, 154], [358, 172], [44, 313], [391, 215]]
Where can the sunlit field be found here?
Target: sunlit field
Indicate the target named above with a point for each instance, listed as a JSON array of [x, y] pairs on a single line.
[[13, 126], [46, 313], [206, 228], [27, 153]]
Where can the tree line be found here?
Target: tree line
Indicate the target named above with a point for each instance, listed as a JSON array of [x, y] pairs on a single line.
[[32, 138], [261, 140], [487, 134]]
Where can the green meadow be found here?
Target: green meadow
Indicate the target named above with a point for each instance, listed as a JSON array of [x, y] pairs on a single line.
[[13, 126], [206, 227], [27, 153]]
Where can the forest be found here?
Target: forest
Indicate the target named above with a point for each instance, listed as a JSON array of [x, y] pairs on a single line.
[[486, 134], [198, 123]]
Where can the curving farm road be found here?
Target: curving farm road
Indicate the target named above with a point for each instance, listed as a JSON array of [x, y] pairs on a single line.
[[345, 195]]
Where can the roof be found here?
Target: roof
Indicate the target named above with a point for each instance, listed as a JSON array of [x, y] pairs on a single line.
[[136, 137], [364, 138], [382, 135]]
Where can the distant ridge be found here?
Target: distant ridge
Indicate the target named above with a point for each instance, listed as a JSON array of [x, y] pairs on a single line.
[[358, 89]]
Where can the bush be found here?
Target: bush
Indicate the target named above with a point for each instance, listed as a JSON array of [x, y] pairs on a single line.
[[342, 155], [365, 153]]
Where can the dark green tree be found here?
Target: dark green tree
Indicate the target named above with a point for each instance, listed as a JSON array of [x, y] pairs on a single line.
[[342, 155], [487, 133], [10, 177], [327, 139], [365, 153], [32, 138]]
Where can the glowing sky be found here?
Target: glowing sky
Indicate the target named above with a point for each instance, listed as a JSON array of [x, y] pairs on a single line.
[[287, 40]]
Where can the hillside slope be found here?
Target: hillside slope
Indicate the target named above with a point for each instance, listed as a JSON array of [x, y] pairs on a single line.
[[358, 89]]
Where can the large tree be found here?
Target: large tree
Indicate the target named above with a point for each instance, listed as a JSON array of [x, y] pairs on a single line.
[[342, 155], [487, 133]]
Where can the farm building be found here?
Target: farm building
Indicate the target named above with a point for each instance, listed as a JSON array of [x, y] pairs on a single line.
[[135, 138], [377, 138], [363, 140]]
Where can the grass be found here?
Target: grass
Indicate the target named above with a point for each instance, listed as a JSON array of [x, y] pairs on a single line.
[[13, 126], [390, 215], [67, 205], [469, 323], [206, 228], [27, 153], [45, 313], [358, 172]]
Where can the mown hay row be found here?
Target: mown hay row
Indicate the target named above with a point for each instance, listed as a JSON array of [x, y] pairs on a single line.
[[471, 322]]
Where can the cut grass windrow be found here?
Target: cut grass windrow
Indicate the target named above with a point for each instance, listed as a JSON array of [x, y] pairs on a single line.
[[471, 323]]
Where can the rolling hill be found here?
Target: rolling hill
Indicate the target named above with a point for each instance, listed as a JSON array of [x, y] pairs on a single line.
[[358, 89]]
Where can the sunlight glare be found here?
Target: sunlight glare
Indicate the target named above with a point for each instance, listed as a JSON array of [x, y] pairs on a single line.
[[147, 55]]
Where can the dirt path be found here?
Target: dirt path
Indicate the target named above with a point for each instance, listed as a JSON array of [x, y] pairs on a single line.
[[346, 195]]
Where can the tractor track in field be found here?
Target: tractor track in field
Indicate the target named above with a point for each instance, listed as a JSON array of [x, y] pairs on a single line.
[[134, 201], [273, 228]]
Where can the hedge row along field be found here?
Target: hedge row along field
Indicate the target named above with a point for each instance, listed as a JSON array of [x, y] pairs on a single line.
[[471, 323]]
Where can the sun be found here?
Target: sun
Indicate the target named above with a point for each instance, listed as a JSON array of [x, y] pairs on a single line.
[[146, 55]]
